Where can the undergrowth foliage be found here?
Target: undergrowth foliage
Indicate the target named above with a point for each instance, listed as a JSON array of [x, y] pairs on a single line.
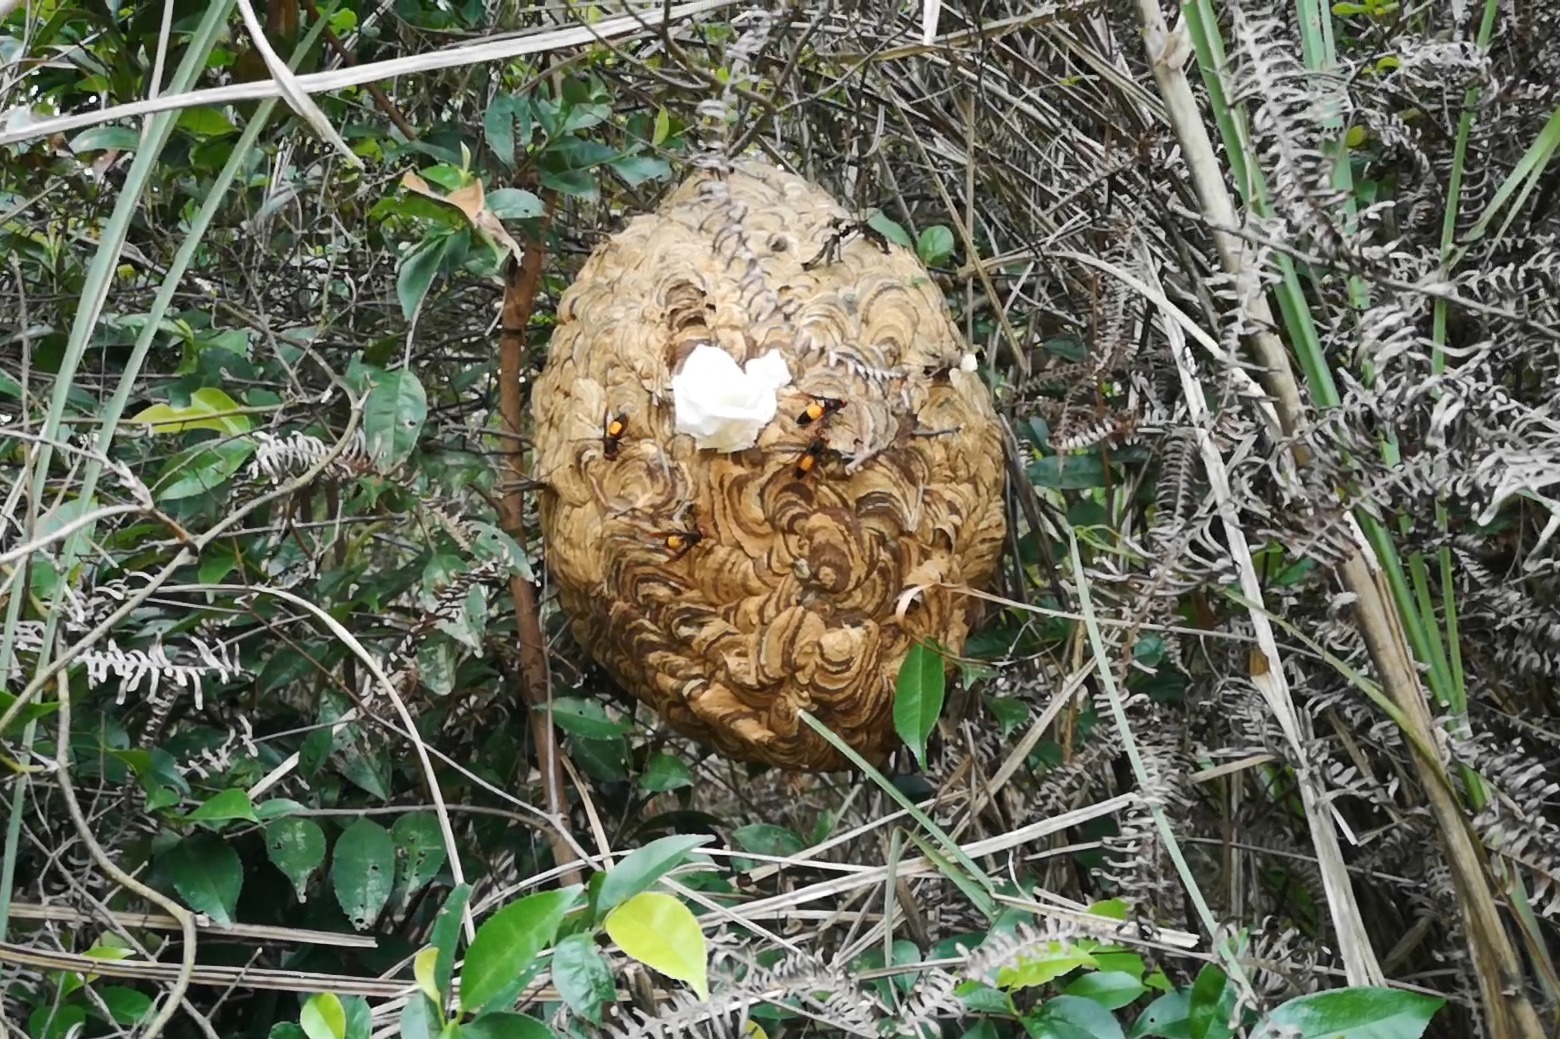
[[258, 647]]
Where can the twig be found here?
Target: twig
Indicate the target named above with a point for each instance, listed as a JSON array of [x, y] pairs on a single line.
[[520, 282], [186, 919]]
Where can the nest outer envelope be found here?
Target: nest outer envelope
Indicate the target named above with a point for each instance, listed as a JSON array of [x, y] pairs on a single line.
[[785, 601]]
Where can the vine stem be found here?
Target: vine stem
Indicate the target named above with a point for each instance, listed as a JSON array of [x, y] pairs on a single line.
[[520, 283]]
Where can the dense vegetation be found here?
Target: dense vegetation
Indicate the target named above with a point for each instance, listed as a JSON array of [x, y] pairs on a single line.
[[1257, 738]]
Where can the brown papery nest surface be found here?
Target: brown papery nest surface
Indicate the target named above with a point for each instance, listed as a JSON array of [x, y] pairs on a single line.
[[732, 590]]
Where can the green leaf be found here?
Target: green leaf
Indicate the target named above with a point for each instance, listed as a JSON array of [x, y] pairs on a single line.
[[1068, 1017], [935, 245], [663, 934], [1111, 989], [209, 408], [1164, 1018], [207, 874], [888, 229], [583, 977], [277, 807], [1213, 998], [56, 1022], [393, 417], [295, 846], [104, 138], [285, 1030], [980, 998], [665, 772], [31, 713], [1041, 967], [363, 871], [765, 839], [419, 1019], [514, 204], [201, 468], [323, 1017], [504, 1025], [643, 867], [229, 804], [203, 121], [578, 183], [507, 127], [125, 1006], [636, 169], [509, 940], [418, 269], [586, 719], [1358, 1013], [446, 935], [417, 835], [1068, 472], [918, 697]]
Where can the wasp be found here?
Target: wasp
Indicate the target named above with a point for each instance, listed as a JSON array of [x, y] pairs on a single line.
[[820, 409], [679, 542], [811, 456], [612, 432], [840, 230]]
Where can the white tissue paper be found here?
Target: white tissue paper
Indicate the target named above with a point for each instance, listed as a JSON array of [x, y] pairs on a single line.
[[722, 406]]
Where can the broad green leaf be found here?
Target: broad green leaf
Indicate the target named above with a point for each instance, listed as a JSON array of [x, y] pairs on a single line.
[[1213, 999], [31, 713], [1072, 472], [1164, 1018], [207, 874], [935, 245], [418, 269], [49, 1021], [665, 772], [1111, 989], [663, 126], [918, 697], [323, 1017], [586, 719], [201, 468], [419, 1020], [126, 1006], [417, 835], [765, 839], [424, 970], [636, 169], [446, 934], [501, 1024], [229, 804], [296, 846], [663, 934], [103, 138], [980, 998], [582, 977], [508, 941], [277, 807], [507, 125], [209, 408], [203, 121], [363, 871], [514, 204], [1068, 1017], [1041, 967], [888, 229], [1358, 1013], [285, 1030], [643, 867], [393, 417]]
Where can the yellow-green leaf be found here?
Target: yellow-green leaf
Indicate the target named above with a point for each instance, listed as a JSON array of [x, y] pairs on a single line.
[[323, 1017], [423, 965], [663, 934], [209, 408]]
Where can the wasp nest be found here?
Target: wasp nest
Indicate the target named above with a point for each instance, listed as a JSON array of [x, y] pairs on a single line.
[[757, 430]]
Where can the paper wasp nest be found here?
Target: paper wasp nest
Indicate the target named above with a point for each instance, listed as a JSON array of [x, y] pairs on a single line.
[[850, 454]]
